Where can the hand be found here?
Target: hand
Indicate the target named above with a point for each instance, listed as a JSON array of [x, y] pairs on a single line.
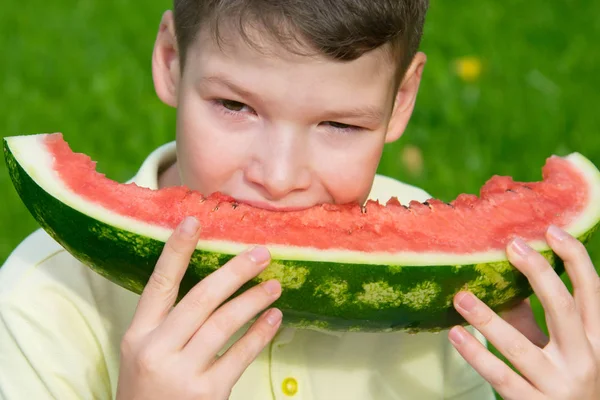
[[171, 352], [565, 366]]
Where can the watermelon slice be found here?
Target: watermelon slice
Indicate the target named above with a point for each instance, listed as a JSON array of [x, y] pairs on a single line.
[[342, 267]]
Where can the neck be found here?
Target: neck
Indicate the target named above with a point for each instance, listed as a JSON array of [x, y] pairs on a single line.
[[169, 176]]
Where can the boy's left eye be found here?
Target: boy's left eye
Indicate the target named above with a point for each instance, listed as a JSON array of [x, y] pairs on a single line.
[[339, 125]]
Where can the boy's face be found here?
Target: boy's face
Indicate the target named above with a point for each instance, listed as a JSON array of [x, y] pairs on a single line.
[[279, 130]]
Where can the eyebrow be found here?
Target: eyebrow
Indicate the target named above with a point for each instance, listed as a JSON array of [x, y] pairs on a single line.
[[371, 113], [223, 81]]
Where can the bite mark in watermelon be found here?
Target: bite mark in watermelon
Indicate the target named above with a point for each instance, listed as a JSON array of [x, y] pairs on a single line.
[[343, 267]]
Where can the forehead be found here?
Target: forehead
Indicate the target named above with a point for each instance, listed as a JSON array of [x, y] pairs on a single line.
[[262, 64]]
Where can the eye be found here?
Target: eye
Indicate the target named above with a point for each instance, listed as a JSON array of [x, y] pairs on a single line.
[[234, 106], [340, 126]]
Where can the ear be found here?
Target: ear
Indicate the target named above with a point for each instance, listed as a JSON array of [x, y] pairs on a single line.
[[405, 98], [165, 61]]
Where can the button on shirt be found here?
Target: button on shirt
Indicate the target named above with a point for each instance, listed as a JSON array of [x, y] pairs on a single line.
[[61, 325]]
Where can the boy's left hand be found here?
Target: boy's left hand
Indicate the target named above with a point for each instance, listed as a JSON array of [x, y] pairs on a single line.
[[564, 366]]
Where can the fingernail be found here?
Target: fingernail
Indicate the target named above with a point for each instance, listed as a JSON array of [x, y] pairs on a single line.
[[456, 335], [273, 316], [272, 286], [259, 255], [189, 226], [557, 233], [466, 301], [520, 247]]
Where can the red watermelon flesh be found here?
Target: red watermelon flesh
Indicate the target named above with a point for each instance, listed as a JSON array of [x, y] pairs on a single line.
[[505, 208]]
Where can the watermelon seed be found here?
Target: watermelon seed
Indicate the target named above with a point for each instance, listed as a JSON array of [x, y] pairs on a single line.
[[426, 203], [527, 187], [448, 204], [510, 190], [363, 209], [216, 207], [234, 205]]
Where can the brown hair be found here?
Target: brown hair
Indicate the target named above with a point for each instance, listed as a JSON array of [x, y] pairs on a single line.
[[340, 29]]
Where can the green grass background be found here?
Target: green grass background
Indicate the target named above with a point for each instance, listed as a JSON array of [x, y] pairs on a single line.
[[83, 68]]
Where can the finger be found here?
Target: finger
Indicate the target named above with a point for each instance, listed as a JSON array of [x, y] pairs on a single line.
[[529, 359], [160, 292], [583, 275], [503, 379], [522, 318], [204, 298], [238, 357], [228, 319], [563, 320]]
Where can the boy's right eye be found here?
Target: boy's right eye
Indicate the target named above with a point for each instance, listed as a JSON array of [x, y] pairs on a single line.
[[233, 105]]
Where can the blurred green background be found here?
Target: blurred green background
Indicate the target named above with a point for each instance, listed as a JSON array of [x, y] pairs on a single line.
[[507, 84]]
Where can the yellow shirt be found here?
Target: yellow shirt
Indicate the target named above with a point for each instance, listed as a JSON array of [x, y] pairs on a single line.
[[61, 325]]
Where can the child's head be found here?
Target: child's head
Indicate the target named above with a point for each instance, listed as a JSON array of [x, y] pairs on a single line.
[[288, 103]]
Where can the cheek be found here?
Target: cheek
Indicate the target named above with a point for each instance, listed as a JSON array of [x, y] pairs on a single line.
[[208, 157], [348, 173]]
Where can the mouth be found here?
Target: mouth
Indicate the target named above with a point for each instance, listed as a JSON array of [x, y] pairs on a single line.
[[271, 207]]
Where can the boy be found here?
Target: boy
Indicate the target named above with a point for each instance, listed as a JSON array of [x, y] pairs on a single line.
[[283, 105]]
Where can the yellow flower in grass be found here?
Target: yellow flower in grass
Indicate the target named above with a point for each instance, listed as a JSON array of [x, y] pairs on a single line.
[[468, 68], [412, 159]]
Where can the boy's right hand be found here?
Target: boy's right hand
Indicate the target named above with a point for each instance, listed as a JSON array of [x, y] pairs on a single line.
[[171, 352]]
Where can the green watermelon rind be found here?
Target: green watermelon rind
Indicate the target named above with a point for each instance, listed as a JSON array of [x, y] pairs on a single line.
[[331, 296]]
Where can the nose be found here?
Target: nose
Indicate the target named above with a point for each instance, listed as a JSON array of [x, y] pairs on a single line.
[[280, 163]]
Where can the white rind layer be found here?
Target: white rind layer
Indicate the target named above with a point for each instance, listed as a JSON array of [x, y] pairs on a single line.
[[31, 153]]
